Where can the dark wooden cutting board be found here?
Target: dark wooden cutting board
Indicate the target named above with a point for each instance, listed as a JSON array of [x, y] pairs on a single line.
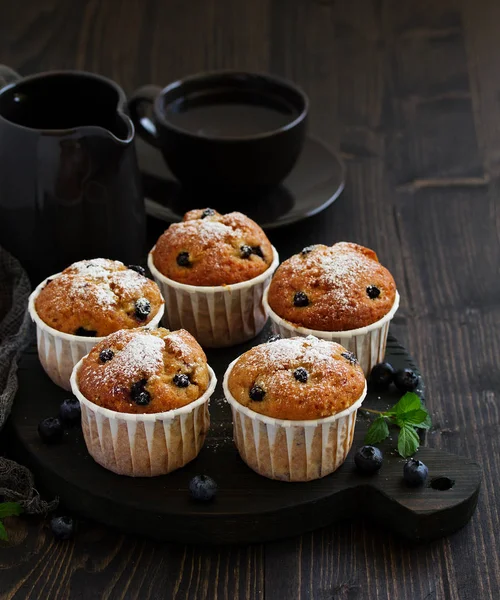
[[248, 507]]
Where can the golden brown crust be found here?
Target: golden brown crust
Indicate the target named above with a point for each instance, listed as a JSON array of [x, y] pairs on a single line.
[[97, 296], [335, 280], [334, 382], [151, 356], [213, 246]]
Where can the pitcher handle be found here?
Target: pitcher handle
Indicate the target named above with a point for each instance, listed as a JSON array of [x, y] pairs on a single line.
[[144, 126], [8, 76]]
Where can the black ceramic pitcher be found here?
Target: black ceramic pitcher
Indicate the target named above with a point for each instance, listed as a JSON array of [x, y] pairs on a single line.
[[69, 182]]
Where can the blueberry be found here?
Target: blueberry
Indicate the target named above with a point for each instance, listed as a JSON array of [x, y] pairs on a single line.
[[106, 355], [245, 251], [258, 251], [50, 430], [208, 212], [183, 259], [368, 459], [307, 249], [406, 380], [181, 380], [301, 375], [63, 528], [202, 488], [373, 292], [415, 472], [381, 376], [47, 282], [139, 394], [274, 338], [138, 269], [86, 332], [257, 393], [350, 357], [300, 299], [142, 309], [70, 411]]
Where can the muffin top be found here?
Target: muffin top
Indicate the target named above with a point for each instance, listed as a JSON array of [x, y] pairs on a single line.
[[97, 297], [144, 371], [332, 288], [210, 249], [297, 378]]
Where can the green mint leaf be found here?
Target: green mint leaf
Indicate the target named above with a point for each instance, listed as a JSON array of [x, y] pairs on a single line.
[[377, 432], [408, 402], [3, 533], [412, 417], [408, 441], [427, 424], [9, 509]]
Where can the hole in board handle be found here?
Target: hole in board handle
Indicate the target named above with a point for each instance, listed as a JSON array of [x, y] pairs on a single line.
[[442, 483]]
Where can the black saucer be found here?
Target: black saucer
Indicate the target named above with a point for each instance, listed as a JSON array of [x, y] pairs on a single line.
[[315, 182]]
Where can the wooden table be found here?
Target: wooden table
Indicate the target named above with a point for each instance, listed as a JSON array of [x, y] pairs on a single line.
[[410, 93]]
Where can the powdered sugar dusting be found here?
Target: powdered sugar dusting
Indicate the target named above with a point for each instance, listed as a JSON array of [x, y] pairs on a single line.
[[283, 352], [206, 231], [179, 344]]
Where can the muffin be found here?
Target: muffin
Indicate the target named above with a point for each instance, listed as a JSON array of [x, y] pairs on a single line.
[[212, 270], [74, 309], [340, 293], [294, 403], [144, 395]]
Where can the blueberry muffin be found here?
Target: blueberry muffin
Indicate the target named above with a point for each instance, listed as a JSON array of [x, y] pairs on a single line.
[[94, 298], [336, 288], [210, 249], [144, 371]]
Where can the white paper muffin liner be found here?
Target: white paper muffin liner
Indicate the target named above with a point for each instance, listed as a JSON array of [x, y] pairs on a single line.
[[216, 316], [366, 343], [291, 450], [59, 352], [144, 445]]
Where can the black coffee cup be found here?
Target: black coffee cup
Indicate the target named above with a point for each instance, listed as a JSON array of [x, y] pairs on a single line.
[[69, 181], [230, 130]]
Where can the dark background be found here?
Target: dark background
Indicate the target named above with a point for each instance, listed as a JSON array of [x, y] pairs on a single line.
[[410, 94]]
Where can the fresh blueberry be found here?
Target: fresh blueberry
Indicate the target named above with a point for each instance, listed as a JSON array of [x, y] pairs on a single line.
[[274, 338], [373, 292], [142, 309], [257, 393], [106, 355], [70, 411], [202, 488], [138, 269], [245, 251], [63, 528], [86, 332], [368, 459], [300, 374], [415, 472], [181, 380], [208, 212], [350, 357], [258, 251], [50, 430], [47, 282], [183, 259], [300, 299], [381, 376], [139, 394], [406, 380], [307, 249]]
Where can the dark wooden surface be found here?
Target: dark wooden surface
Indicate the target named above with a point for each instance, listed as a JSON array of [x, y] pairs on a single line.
[[409, 92]]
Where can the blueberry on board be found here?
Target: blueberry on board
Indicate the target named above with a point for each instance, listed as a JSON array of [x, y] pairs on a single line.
[[381, 376], [63, 528], [300, 299], [86, 332], [142, 309], [368, 459], [202, 488], [183, 259], [245, 251], [50, 430], [406, 380], [139, 394], [70, 411], [257, 250], [106, 355], [208, 212], [415, 472], [372, 292], [349, 356], [256, 393], [181, 380], [138, 269], [300, 374]]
